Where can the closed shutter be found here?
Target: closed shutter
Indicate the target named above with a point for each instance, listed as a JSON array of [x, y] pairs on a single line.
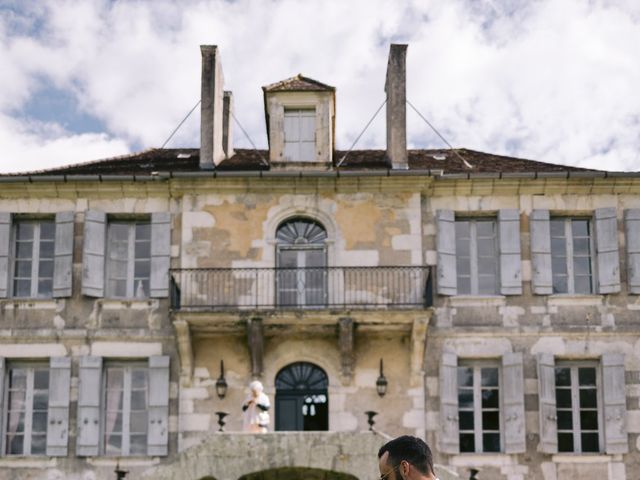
[[95, 227], [547, 400], [510, 262], [63, 263], [58, 417], [2, 383], [158, 405], [541, 279], [513, 403], [450, 432], [446, 244], [632, 239], [5, 248], [607, 250], [89, 395], [614, 394], [160, 254]]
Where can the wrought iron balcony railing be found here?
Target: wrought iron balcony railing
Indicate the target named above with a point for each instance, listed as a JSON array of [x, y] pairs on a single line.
[[300, 288]]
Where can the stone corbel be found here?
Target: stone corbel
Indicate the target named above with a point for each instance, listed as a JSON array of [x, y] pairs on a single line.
[[418, 343], [183, 337], [255, 340], [346, 340]]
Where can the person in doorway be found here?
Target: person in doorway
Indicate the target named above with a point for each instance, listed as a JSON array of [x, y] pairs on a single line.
[[406, 458], [256, 409]]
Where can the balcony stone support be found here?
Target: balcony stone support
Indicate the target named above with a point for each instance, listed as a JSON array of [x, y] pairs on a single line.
[[255, 340], [418, 344], [183, 337], [345, 343]]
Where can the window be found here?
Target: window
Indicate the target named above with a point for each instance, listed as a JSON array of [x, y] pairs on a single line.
[[33, 258], [476, 256], [479, 408], [302, 399], [128, 259], [578, 408], [300, 134], [571, 255], [126, 404], [27, 410]]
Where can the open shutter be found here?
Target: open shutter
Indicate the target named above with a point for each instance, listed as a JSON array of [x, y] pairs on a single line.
[[510, 262], [89, 394], [513, 403], [158, 405], [58, 417], [2, 383], [160, 254], [547, 407], [446, 243], [615, 403], [63, 263], [607, 250], [450, 433], [95, 229], [632, 238], [5, 248], [541, 279]]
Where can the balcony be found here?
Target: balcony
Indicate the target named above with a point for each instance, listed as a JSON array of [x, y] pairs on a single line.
[[212, 289]]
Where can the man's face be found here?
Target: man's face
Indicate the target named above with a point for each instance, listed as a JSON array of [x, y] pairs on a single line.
[[387, 472]]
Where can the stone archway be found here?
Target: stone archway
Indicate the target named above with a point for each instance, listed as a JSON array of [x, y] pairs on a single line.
[[297, 473]]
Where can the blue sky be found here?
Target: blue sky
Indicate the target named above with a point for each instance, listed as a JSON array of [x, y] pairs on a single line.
[[550, 80]]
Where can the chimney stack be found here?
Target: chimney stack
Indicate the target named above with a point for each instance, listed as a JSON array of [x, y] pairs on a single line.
[[227, 123], [396, 90], [211, 106]]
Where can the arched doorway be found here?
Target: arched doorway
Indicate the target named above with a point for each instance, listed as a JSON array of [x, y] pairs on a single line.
[[302, 400], [297, 473], [301, 263]]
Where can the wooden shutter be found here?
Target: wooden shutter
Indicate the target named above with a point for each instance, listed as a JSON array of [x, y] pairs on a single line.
[[95, 228], [450, 432], [158, 405], [632, 238], [2, 384], [547, 407], [541, 280], [58, 417], [614, 394], [510, 262], [89, 395], [513, 403], [63, 263], [446, 244], [5, 249], [160, 254], [607, 250]]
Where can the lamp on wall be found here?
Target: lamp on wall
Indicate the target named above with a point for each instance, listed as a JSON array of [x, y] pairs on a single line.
[[381, 383], [221, 383]]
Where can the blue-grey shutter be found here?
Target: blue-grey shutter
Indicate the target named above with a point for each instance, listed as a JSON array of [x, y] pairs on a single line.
[[89, 395], [615, 403], [547, 403], [607, 250], [5, 249], [446, 244], [513, 403], [160, 254], [541, 275], [510, 261], [450, 431], [632, 239], [2, 383], [63, 255], [158, 405], [58, 417], [95, 230]]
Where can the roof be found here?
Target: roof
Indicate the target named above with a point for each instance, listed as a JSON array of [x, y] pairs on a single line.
[[186, 160], [299, 83]]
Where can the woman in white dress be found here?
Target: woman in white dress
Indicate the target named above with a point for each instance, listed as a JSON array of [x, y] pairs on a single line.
[[256, 409]]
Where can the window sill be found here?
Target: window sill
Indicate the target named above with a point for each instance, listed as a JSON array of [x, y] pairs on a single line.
[[581, 458], [25, 461], [132, 303], [113, 461], [569, 299], [482, 460], [30, 303], [477, 301]]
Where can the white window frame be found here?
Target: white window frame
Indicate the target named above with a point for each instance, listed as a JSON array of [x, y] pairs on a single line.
[[28, 416], [131, 288], [575, 405], [474, 279], [477, 366], [299, 113], [127, 367], [568, 236], [35, 256]]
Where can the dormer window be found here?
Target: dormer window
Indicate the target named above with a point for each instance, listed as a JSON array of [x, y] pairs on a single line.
[[300, 134]]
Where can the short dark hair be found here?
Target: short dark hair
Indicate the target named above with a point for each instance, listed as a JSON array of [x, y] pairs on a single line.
[[412, 449]]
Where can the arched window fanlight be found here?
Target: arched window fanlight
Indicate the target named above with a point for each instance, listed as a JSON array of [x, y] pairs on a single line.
[[301, 231], [302, 376]]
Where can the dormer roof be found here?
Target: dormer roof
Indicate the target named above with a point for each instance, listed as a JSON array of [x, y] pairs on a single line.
[[299, 83]]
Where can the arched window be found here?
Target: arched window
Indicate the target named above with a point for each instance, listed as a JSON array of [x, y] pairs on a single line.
[[302, 401], [301, 263]]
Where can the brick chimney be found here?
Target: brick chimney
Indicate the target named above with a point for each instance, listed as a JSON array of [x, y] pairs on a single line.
[[396, 90], [227, 123], [211, 108]]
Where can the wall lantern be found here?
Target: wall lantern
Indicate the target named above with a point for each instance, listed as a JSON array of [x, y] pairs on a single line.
[[381, 383], [221, 383]]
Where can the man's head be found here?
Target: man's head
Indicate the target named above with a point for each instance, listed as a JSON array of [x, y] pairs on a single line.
[[400, 455]]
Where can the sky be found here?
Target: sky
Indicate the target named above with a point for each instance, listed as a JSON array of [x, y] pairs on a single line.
[[552, 80]]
